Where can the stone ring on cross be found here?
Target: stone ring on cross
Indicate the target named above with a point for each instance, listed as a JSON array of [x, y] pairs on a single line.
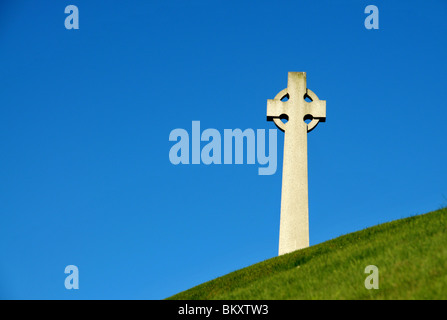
[[283, 94]]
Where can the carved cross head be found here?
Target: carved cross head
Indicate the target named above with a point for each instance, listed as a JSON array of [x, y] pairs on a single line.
[[291, 104]]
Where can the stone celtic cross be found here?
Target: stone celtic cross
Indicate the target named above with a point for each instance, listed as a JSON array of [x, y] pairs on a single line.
[[291, 104]]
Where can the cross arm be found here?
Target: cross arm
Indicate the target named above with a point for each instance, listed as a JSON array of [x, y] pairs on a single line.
[[275, 108], [317, 109]]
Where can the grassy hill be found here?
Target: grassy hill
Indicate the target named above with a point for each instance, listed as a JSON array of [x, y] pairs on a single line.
[[411, 255]]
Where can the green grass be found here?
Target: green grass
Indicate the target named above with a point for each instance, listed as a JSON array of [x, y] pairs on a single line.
[[411, 255]]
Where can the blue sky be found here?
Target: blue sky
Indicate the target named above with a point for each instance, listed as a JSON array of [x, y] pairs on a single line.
[[85, 116]]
